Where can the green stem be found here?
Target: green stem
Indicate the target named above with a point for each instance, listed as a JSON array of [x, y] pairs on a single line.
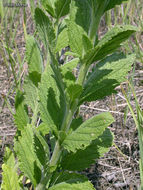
[[56, 154]]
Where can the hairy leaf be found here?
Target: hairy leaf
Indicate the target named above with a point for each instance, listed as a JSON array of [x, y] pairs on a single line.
[[61, 8], [70, 181], [45, 29], [107, 75], [28, 161], [112, 3], [49, 6], [67, 72], [56, 8], [75, 34], [31, 90], [82, 159], [21, 118], [74, 91], [111, 41], [87, 13], [9, 175], [87, 131], [63, 40], [33, 55], [52, 100], [43, 128]]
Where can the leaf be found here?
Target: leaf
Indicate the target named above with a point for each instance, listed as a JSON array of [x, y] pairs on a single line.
[[87, 13], [107, 75], [74, 91], [109, 43], [82, 159], [87, 132], [45, 29], [75, 42], [43, 128], [27, 159], [80, 13], [72, 181], [112, 3], [63, 40], [69, 66], [61, 8], [113, 39], [41, 149], [21, 118], [33, 55], [31, 90], [56, 8], [48, 5], [52, 100], [9, 174]]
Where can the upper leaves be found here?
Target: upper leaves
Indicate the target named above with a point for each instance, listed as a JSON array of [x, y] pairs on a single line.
[[45, 29], [33, 55], [91, 129], [87, 13], [109, 43], [106, 75], [56, 8]]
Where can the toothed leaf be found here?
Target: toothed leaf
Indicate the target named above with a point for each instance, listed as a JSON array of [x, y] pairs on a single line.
[[88, 131], [9, 174], [70, 181], [33, 55], [52, 102], [111, 41], [45, 29], [107, 75], [82, 159]]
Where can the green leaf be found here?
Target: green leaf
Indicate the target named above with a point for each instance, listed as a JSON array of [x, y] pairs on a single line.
[[43, 128], [52, 99], [31, 90], [69, 66], [97, 148], [61, 8], [112, 3], [56, 8], [9, 174], [49, 6], [28, 161], [75, 34], [74, 91], [33, 55], [63, 40], [21, 118], [87, 132], [45, 29], [41, 149], [72, 181], [107, 75], [80, 13], [68, 76], [111, 41]]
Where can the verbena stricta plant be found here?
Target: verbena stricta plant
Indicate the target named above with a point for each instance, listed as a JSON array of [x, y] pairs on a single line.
[[53, 143]]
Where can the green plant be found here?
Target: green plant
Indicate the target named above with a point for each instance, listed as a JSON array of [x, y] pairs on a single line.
[[52, 141]]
